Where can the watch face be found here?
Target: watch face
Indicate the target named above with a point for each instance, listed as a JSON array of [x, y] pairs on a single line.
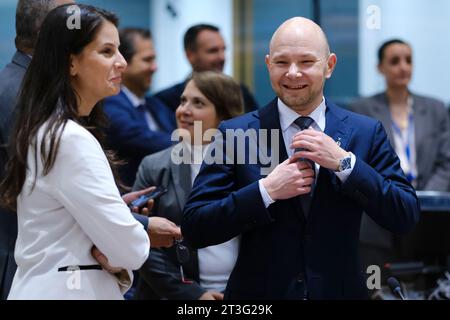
[[346, 163]]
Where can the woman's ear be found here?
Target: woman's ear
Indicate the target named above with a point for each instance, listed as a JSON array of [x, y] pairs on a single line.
[[73, 65]]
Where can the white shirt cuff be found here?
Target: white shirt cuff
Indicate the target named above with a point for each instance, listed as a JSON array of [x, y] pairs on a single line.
[[343, 175], [265, 195]]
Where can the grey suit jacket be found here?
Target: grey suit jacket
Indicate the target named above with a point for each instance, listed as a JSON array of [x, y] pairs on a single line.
[[432, 134], [10, 81], [160, 275]]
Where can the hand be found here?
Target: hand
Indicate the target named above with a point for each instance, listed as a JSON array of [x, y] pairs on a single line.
[[289, 179], [320, 148], [162, 232], [131, 196], [103, 261], [211, 295]]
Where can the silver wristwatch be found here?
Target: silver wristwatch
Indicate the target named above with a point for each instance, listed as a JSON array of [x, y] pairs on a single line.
[[345, 163]]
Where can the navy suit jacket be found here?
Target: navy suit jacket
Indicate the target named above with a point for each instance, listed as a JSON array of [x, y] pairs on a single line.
[[10, 81], [130, 135], [284, 255], [171, 97]]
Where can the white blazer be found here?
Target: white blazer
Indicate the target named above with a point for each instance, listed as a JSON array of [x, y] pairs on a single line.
[[73, 207]]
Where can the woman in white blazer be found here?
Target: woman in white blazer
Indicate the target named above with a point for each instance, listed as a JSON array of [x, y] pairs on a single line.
[[58, 176]]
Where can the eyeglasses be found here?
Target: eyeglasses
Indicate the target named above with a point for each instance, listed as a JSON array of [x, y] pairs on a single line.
[[183, 256]]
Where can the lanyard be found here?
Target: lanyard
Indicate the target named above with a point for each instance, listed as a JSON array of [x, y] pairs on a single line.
[[407, 144]]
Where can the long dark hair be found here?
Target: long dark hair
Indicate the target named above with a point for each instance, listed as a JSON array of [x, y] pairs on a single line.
[[48, 96]]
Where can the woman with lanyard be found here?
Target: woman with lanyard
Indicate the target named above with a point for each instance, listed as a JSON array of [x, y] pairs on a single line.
[[418, 129]]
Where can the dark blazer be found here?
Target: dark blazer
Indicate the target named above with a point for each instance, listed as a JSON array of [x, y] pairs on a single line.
[[160, 275], [171, 97], [284, 255], [10, 81], [432, 134], [129, 134]]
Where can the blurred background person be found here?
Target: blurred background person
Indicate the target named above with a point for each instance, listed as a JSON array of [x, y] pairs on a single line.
[[139, 124], [205, 50], [419, 130], [209, 97], [29, 18], [418, 127], [55, 136]]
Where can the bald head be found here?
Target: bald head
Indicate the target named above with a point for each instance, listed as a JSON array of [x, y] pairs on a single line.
[[299, 30], [299, 63]]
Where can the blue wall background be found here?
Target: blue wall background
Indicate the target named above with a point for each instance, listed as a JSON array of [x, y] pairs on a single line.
[[134, 13], [267, 16], [7, 30], [338, 18]]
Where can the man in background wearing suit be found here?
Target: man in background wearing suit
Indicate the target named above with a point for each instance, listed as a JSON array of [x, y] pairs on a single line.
[[29, 17], [300, 224], [139, 125], [205, 50]]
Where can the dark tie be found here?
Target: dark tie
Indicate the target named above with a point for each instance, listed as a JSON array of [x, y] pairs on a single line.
[[305, 200], [304, 123]]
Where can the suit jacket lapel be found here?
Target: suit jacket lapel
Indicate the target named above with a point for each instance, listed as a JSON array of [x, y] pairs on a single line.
[[181, 175], [270, 120], [336, 126], [421, 121], [382, 113], [338, 129]]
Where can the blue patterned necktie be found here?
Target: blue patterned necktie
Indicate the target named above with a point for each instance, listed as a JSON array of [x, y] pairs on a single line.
[[304, 123], [306, 199]]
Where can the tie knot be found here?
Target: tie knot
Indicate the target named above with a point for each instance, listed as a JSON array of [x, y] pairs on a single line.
[[304, 122]]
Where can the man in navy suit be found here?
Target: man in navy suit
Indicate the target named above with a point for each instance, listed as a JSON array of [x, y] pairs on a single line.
[[205, 50], [139, 125], [300, 224]]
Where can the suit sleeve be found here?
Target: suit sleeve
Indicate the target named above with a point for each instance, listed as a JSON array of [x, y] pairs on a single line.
[[161, 272], [82, 182], [440, 176], [217, 209], [128, 136], [381, 189]]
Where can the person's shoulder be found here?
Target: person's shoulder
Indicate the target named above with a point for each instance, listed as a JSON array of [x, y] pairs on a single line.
[[11, 77], [429, 102], [73, 139], [116, 100], [157, 103], [241, 121], [170, 90], [350, 116], [157, 159], [362, 104], [74, 130]]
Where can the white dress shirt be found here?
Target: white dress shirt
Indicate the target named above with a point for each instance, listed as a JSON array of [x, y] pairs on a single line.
[[136, 102], [215, 263], [289, 129], [67, 211]]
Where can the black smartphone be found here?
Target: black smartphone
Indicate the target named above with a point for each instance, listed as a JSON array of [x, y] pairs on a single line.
[[143, 200]]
